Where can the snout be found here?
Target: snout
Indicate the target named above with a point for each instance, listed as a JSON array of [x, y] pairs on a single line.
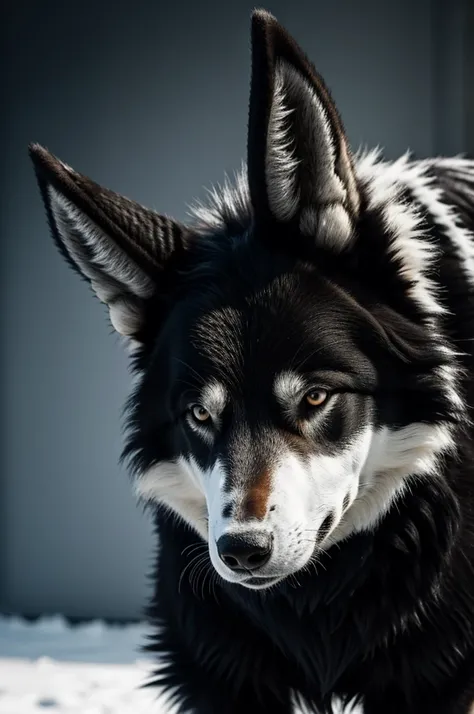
[[245, 552]]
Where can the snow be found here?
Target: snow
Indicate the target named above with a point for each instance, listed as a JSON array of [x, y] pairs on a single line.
[[30, 687], [51, 667]]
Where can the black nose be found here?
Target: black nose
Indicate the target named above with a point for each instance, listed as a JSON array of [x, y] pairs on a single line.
[[245, 551]]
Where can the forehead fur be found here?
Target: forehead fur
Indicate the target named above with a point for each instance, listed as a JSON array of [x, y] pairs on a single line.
[[297, 324], [229, 212], [242, 312]]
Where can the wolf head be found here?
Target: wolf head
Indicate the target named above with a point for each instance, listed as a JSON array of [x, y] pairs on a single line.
[[292, 376]]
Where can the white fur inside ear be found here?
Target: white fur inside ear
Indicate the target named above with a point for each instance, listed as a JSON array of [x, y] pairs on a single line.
[[97, 255], [310, 182], [329, 225], [311, 123], [114, 277], [281, 164], [125, 316]]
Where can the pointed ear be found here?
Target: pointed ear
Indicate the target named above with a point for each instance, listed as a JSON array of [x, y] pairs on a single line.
[[118, 246], [300, 166]]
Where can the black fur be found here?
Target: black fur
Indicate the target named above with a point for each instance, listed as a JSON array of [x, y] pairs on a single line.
[[386, 616]]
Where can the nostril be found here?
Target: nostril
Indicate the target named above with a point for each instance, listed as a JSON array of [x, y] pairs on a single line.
[[255, 560], [230, 561], [245, 551], [326, 526]]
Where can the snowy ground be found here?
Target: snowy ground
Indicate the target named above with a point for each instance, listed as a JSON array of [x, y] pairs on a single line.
[[91, 669]]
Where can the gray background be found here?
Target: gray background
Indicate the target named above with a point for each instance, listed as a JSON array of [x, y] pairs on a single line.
[[151, 100]]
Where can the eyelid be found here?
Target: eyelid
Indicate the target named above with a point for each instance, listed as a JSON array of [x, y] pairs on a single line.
[[319, 388]]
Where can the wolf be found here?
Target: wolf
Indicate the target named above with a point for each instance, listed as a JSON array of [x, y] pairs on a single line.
[[300, 428]]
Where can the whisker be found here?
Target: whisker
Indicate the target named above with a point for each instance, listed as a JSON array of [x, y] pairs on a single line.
[[213, 584], [194, 546], [192, 571], [207, 573], [186, 567], [196, 572]]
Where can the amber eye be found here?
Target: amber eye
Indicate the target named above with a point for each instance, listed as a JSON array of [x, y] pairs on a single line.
[[200, 413], [316, 397]]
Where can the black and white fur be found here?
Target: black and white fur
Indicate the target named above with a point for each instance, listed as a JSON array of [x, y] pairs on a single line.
[[301, 425]]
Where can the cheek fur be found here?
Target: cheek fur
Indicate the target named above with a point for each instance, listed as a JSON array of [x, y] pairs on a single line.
[[180, 486]]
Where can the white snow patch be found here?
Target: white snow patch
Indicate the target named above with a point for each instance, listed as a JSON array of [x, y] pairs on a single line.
[[51, 667], [45, 685]]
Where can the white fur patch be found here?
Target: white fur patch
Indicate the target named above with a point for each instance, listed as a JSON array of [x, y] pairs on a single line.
[[385, 182], [286, 385], [430, 196], [227, 205], [178, 485], [331, 225], [311, 492], [125, 316], [394, 458], [214, 397]]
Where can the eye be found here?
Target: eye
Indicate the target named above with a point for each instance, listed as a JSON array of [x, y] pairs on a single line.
[[316, 397], [199, 413]]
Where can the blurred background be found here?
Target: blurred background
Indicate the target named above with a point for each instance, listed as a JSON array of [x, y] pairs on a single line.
[[150, 99]]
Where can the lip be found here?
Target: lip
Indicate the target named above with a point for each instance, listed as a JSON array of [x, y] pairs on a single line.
[[256, 582]]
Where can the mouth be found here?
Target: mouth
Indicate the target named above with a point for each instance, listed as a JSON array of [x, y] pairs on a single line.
[[256, 582]]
